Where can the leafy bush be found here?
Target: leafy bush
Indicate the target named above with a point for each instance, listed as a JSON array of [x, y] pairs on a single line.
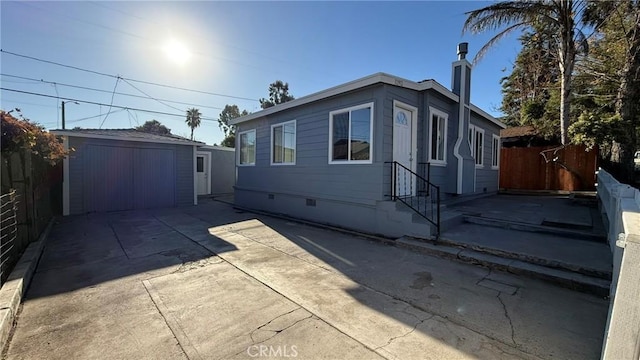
[[22, 134]]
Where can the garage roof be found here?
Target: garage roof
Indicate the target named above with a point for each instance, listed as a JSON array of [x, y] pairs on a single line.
[[127, 135]]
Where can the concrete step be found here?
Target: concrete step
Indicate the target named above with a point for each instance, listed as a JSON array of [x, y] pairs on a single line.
[[578, 234], [532, 259], [565, 278]]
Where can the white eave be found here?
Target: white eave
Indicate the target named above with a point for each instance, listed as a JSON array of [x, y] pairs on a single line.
[[216, 147], [358, 84], [124, 138]]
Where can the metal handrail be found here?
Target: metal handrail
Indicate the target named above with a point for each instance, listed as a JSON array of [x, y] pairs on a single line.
[[396, 167]]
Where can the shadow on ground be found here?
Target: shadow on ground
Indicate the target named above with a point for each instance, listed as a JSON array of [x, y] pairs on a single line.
[[87, 250], [526, 314], [395, 302]]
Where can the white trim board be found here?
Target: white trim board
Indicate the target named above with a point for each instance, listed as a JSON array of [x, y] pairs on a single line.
[[212, 147], [195, 175], [65, 179], [207, 155]]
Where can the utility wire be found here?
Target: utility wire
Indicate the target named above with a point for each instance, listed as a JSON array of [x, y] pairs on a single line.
[[124, 78], [92, 117], [151, 97], [111, 104], [34, 81], [103, 104]]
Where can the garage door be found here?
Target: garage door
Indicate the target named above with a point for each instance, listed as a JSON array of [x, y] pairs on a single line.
[[124, 178]]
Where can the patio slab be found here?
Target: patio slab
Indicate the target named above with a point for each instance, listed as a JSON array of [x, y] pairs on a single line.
[[250, 280]]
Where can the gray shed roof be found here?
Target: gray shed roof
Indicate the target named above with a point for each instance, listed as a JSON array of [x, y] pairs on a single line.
[[126, 135]]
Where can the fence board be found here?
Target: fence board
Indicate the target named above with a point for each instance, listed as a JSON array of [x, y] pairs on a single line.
[[526, 169], [31, 195]]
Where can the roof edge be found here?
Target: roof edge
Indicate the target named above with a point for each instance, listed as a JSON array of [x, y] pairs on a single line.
[[379, 77], [124, 138]]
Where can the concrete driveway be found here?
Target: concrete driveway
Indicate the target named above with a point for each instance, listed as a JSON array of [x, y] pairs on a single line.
[[209, 282]]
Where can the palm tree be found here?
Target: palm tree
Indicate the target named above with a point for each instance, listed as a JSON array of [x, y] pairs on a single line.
[[193, 119], [558, 16]]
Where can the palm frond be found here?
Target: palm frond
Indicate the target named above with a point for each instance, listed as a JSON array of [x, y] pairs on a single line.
[[486, 47], [506, 13]]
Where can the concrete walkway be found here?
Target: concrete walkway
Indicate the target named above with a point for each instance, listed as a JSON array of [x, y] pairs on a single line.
[[208, 282]]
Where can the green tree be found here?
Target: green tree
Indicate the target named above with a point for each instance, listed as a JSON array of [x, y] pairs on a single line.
[[608, 84], [531, 91], [154, 127], [193, 119], [278, 94], [559, 17], [229, 113]]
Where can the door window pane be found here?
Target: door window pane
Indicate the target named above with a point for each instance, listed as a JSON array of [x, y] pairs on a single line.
[[200, 164]]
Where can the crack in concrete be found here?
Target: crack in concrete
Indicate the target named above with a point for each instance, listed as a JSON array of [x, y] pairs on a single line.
[[485, 277], [189, 351], [276, 331], [405, 334], [506, 314]]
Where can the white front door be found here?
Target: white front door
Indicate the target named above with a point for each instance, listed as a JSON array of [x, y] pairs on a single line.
[[405, 119], [202, 173]]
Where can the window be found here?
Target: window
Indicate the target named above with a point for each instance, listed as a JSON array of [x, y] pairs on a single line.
[[247, 146], [351, 135], [476, 138], [200, 164], [495, 151], [438, 137], [283, 143], [478, 153]]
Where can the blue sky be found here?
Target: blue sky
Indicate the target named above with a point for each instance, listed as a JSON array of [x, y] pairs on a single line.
[[237, 49]]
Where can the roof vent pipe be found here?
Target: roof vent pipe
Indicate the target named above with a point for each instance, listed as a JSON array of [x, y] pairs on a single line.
[[462, 50]]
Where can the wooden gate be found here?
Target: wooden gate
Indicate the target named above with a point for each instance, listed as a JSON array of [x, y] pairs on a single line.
[[571, 168]]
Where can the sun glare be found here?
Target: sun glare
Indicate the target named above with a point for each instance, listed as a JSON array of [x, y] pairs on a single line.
[[177, 52]]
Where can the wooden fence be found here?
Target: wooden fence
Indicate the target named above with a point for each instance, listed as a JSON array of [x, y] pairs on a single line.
[[571, 168], [31, 196]]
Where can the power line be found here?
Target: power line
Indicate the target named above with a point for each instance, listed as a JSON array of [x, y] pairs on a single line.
[[113, 94], [93, 117], [103, 104], [151, 97], [124, 78], [33, 81]]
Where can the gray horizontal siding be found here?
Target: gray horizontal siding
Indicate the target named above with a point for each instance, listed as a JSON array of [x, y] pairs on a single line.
[[184, 175], [312, 174], [486, 177], [78, 158]]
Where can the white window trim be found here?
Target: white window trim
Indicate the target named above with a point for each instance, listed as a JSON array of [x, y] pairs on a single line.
[[445, 117], [495, 138], [295, 143], [475, 138], [238, 136], [350, 109]]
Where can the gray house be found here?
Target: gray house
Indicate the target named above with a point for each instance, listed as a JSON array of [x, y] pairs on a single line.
[[378, 154], [124, 169]]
